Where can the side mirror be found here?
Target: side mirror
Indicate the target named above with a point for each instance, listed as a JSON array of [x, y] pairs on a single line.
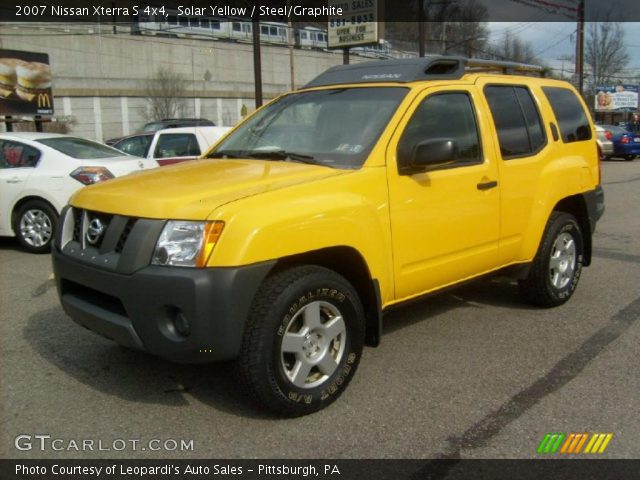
[[429, 154]]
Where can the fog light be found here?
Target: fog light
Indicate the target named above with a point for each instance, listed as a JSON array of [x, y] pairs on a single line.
[[181, 324]]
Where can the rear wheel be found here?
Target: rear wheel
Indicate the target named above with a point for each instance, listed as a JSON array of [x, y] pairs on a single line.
[[303, 340], [35, 225], [556, 269], [628, 158]]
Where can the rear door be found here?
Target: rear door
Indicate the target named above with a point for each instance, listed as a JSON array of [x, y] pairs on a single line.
[[17, 163], [445, 223]]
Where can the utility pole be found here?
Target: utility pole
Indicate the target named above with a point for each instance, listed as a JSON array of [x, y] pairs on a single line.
[[421, 28], [580, 48], [257, 62], [291, 35]]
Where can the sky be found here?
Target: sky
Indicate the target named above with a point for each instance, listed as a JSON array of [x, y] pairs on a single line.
[[553, 41]]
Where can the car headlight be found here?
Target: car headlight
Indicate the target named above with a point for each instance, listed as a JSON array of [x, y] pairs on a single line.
[[186, 243]]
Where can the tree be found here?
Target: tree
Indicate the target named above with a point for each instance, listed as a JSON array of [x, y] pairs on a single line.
[[164, 93], [513, 49], [605, 52]]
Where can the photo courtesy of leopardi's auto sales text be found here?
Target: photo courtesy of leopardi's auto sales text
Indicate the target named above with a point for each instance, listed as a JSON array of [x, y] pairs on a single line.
[[337, 239]]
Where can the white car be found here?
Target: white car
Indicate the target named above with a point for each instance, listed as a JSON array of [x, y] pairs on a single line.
[[40, 171], [171, 145]]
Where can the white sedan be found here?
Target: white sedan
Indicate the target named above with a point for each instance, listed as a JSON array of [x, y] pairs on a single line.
[[40, 171]]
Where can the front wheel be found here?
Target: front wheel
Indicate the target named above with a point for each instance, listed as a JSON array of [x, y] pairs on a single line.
[[556, 269], [303, 340], [35, 225]]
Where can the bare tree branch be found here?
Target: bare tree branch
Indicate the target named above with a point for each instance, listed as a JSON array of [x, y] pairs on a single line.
[[164, 93]]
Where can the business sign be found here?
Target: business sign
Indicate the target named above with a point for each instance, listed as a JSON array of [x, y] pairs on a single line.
[[25, 83], [611, 98], [357, 25]]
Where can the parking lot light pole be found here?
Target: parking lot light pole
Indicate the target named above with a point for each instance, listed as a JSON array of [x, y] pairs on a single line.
[[257, 62]]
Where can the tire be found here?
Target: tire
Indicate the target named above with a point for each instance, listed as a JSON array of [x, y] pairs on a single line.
[[556, 268], [629, 158], [35, 226], [297, 356]]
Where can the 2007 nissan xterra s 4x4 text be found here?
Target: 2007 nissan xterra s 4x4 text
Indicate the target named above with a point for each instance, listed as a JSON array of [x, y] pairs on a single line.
[[375, 184]]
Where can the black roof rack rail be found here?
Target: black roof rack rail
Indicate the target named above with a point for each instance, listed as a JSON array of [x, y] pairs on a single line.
[[433, 67]]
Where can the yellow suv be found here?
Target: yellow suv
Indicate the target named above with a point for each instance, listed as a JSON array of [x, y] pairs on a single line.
[[375, 184]]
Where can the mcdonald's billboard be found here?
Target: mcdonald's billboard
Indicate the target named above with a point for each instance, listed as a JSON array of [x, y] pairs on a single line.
[[25, 83]]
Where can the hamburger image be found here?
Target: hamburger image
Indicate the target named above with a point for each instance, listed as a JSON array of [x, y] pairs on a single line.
[[33, 78], [8, 75]]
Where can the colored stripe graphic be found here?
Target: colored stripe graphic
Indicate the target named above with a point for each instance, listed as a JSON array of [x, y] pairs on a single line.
[[573, 443]]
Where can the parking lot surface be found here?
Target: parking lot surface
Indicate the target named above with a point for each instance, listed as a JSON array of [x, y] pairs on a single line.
[[469, 373]]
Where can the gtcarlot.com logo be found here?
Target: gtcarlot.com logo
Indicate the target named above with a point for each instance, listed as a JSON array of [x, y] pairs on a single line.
[[574, 443], [47, 442]]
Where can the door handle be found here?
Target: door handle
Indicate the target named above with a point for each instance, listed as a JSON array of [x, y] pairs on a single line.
[[487, 185], [14, 180]]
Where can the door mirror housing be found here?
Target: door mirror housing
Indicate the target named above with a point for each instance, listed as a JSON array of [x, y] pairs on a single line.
[[430, 154]]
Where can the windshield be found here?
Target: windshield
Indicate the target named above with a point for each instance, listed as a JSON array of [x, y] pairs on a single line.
[[80, 148], [336, 128]]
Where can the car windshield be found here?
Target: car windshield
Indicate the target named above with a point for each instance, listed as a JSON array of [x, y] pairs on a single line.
[[80, 148], [335, 128], [152, 127]]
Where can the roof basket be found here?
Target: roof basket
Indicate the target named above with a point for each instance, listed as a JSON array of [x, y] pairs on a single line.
[[434, 67]]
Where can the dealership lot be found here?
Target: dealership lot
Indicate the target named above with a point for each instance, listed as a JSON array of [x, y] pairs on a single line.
[[471, 372]]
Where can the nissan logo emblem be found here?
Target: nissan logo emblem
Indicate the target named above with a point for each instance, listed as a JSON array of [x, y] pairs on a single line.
[[95, 231]]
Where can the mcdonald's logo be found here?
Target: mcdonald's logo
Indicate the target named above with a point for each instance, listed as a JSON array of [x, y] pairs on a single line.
[[574, 443], [44, 101]]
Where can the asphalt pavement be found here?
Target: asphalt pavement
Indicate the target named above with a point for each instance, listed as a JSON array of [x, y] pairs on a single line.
[[471, 373]]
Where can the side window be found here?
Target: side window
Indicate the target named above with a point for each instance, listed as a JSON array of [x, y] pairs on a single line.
[[517, 120], [177, 145], [446, 115], [137, 146], [572, 120], [17, 155]]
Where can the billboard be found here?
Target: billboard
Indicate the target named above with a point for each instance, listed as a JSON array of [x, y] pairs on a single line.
[[357, 25], [616, 98], [25, 83]]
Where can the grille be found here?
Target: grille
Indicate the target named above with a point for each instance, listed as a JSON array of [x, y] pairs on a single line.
[[125, 234]]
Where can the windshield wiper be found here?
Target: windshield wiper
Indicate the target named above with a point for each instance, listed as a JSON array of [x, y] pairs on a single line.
[[223, 154], [283, 155]]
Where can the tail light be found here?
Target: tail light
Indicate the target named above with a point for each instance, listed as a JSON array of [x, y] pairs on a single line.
[[608, 134], [91, 175], [625, 139]]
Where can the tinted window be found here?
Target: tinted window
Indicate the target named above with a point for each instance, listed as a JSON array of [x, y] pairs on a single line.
[[137, 146], [517, 120], [537, 137], [177, 145], [17, 155], [447, 115], [572, 120], [80, 148]]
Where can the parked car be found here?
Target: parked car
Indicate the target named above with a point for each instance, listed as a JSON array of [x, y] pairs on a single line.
[[374, 185], [171, 145], [40, 171], [605, 145], [626, 144], [168, 123]]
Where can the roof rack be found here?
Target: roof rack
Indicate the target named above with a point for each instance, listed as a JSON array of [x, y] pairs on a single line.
[[433, 67]]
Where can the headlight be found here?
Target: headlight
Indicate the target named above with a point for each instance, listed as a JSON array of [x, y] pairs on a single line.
[[186, 244]]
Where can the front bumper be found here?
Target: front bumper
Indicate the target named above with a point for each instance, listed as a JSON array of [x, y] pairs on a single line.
[[138, 309]]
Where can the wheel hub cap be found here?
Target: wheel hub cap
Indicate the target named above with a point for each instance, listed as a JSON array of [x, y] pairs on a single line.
[[313, 344], [35, 227], [562, 263]]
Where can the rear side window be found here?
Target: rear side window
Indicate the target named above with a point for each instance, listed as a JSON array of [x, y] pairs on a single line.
[[517, 120], [572, 120], [17, 155], [177, 145]]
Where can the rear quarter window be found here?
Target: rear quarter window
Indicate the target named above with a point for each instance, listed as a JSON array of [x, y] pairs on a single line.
[[572, 119]]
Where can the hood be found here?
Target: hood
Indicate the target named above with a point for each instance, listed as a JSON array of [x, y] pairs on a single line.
[[192, 190]]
